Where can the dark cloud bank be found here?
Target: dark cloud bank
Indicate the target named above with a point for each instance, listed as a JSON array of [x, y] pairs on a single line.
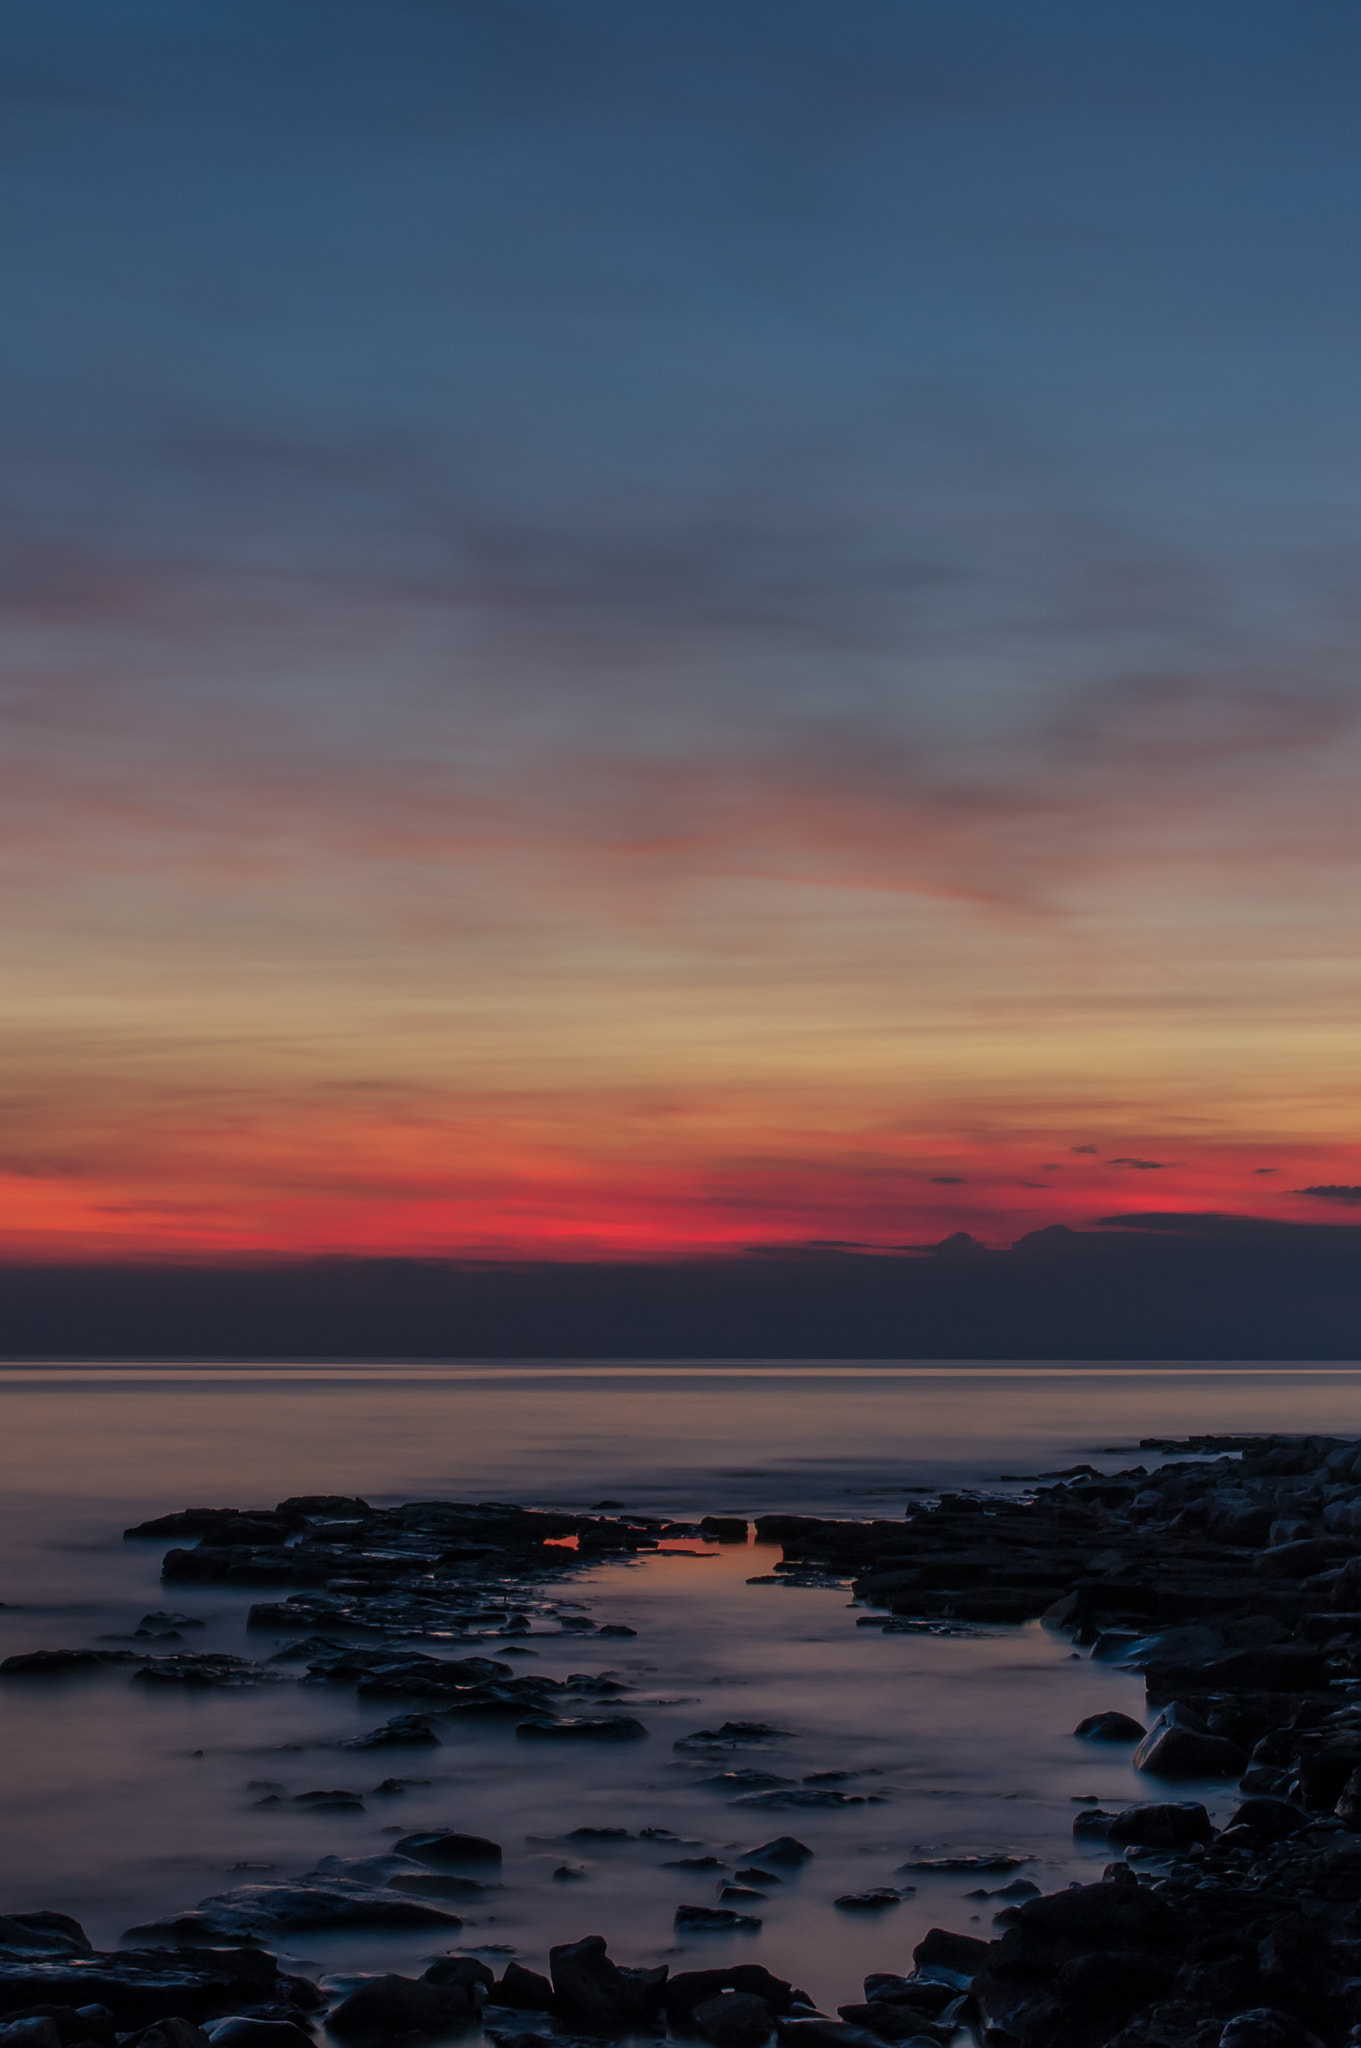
[[1139, 1287]]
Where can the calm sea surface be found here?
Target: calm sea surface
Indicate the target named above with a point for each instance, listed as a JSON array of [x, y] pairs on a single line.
[[120, 1803]]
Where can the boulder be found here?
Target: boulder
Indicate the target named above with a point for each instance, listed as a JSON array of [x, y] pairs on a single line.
[[1264, 2027], [1111, 1727], [523, 1990], [591, 1992], [582, 1728], [1159, 1825], [961, 1955], [784, 1850], [733, 2019], [444, 1845], [690, 1988], [470, 1973], [244, 2030], [395, 2008], [715, 1920], [1186, 1753], [252, 1910], [141, 1987]]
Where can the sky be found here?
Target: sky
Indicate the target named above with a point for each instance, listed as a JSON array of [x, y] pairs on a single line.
[[648, 629]]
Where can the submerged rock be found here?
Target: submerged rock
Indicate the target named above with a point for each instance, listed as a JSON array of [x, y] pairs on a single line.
[[253, 1910], [446, 1846], [1111, 1727], [714, 1920]]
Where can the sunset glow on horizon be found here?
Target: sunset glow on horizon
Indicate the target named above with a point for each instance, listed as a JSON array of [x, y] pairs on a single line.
[[631, 644]]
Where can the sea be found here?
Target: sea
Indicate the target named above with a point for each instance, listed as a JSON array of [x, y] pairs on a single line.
[[121, 1804]]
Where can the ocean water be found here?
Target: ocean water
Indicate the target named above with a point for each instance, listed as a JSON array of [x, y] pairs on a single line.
[[120, 1803]]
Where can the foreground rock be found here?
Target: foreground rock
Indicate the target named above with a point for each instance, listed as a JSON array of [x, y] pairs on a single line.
[[140, 1987]]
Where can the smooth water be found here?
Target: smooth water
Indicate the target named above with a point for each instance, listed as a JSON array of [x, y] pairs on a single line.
[[120, 1803]]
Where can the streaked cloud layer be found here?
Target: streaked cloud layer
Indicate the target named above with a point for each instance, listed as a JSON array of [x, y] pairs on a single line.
[[653, 629]]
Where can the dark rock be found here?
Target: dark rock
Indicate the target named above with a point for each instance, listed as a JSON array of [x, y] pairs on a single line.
[[524, 1990], [36, 2031], [442, 1845], [982, 1865], [1274, 1819], [1348, 1808], [392, 2008], [1111, 1727], [714, 1920], [141, 1987], [963, 1955], [727, 1528], [876, 1901], [582, 1728], [170, 2033], [731, 1735], [740, 1895], [616, 1628], [783, 1850], [241, 2030], [57, 1663], [1184, 1753], [732, 2019], [746, 1781], [404, 1731], [253, 1910], [1160, 1826], [42, 1934], [72, 2024], [591, 1992], [1263, 2027], [470, 1973], [690, 1988]]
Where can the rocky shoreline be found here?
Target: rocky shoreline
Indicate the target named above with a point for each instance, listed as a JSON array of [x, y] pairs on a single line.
[[1229, 1576]]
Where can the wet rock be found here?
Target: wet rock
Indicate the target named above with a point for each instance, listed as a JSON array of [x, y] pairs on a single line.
[[243, 2030], [753, 1875], [142, 1987], [169, 2033], [61, 1663], [1273, 1819], [732, 2019], [404, 1731], [1159, 1825], [616, 1628], [1265, 2028], [746, 1781], [691, 1988], [784, 1850], [898, 2023], [524, 1990], [470, 1973], [1111, 1727], [1186, 1753], [983, 1865], [37, 2031], [251, 1911], [393, 2008], [71, 2024], [740, 1895], [961, 1955], [582, 1728], [731, 1735], [42, 1934], [714, 1920], [445, 1846], [592, 1992], [726, 1528], [809, 1796], [876, 1901]]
